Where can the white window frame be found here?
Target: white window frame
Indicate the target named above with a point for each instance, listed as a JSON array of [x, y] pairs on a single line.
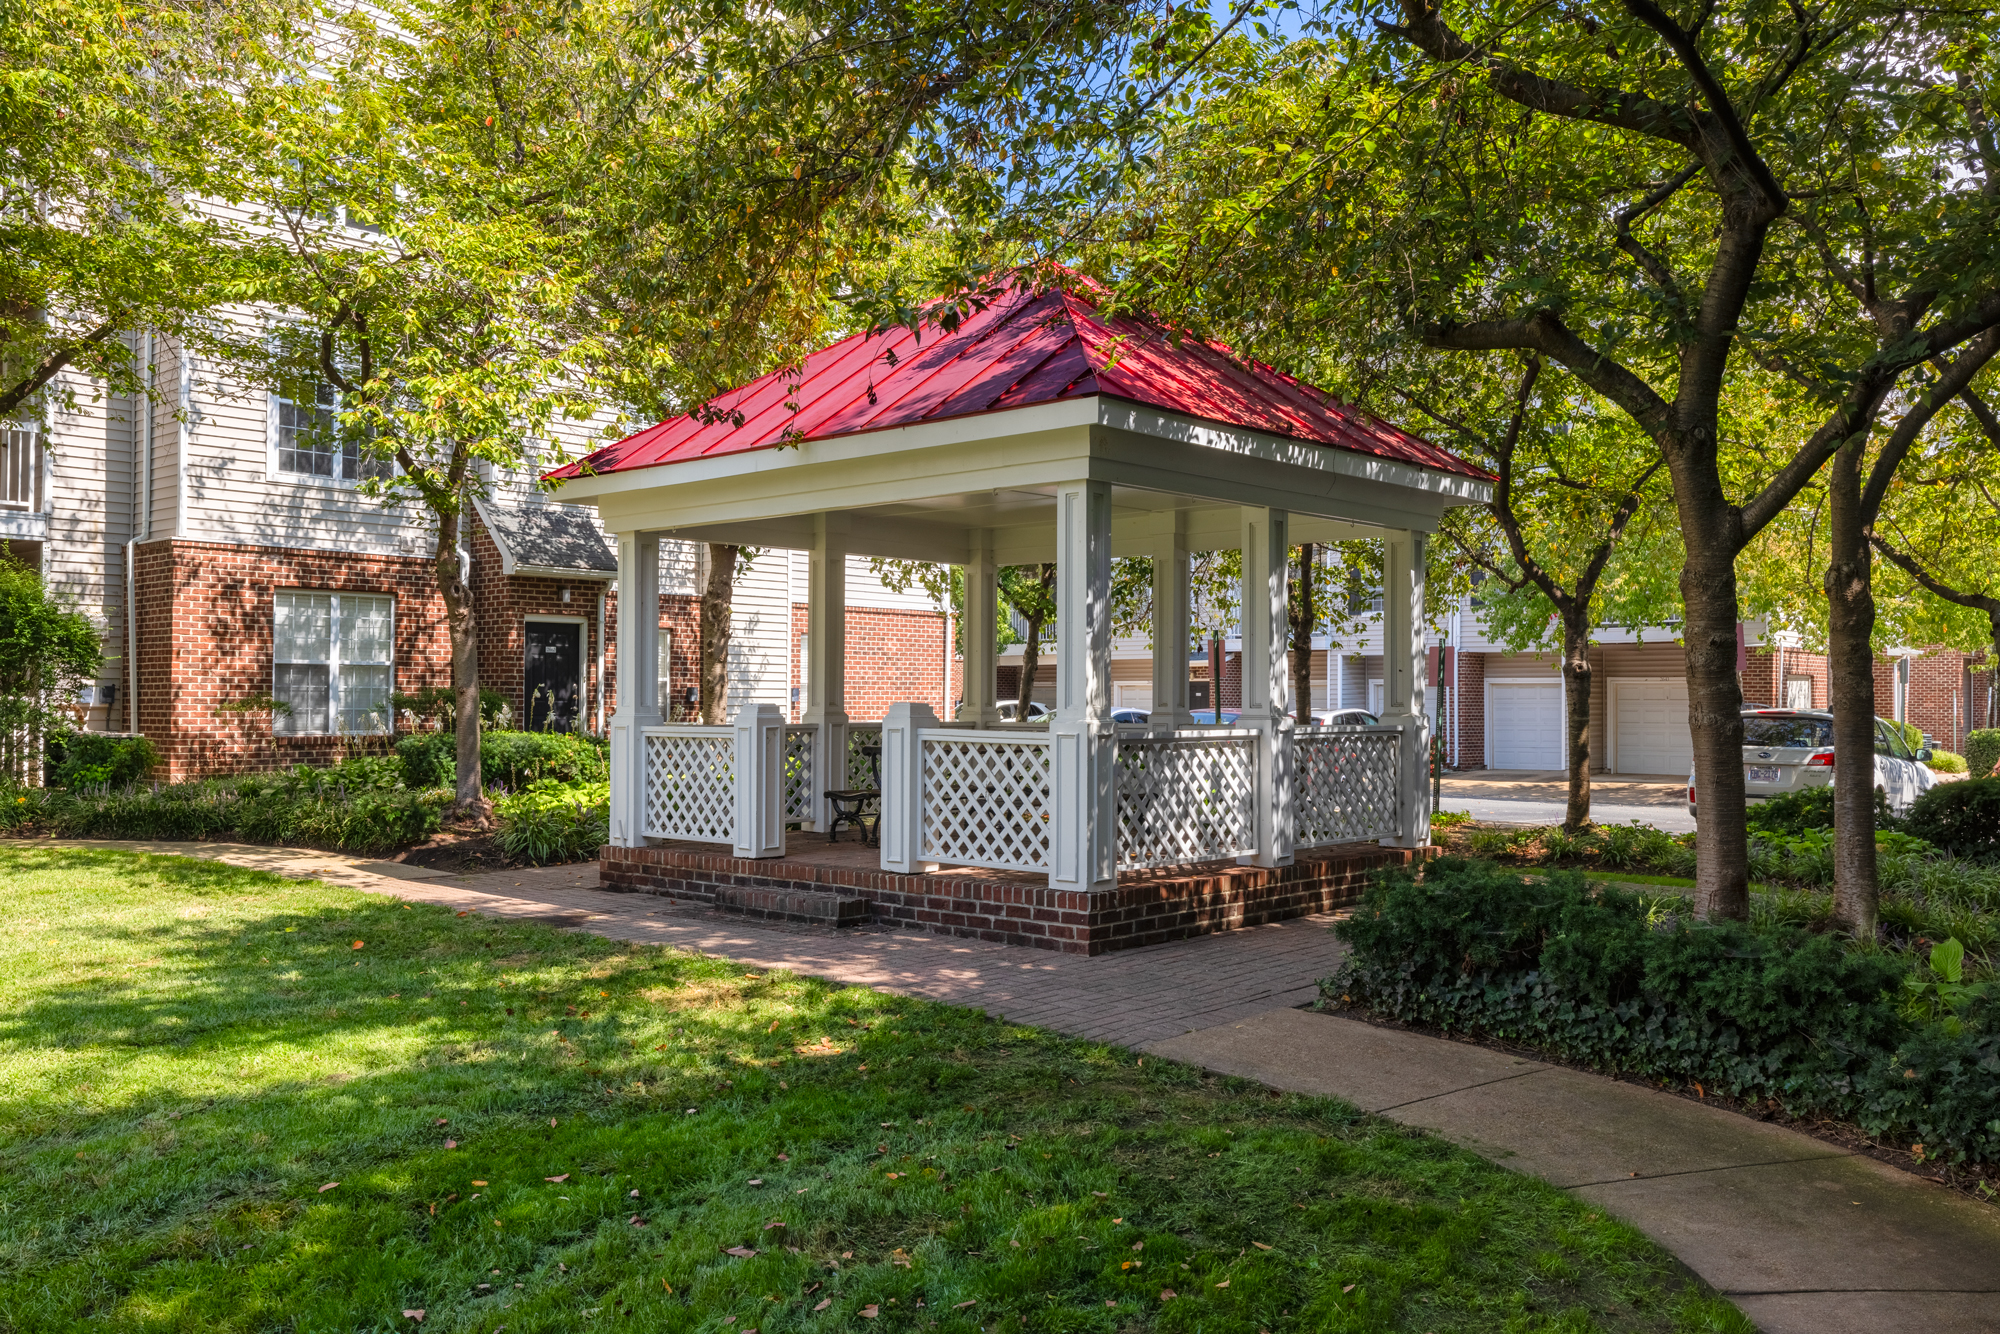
[[333, 663], [273, 398]]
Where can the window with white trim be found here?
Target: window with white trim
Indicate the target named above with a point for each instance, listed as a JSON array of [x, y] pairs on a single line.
[[333, 662], [308, 442]]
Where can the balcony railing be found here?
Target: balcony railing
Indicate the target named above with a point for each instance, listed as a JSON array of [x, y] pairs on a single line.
[[21, 471]]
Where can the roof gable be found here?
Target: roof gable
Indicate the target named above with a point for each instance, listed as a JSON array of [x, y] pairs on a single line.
[[1030, 345]]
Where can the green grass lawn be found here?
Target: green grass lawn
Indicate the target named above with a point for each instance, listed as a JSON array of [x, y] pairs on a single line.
[[540, 1131]]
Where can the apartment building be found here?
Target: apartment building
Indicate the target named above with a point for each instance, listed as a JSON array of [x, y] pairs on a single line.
[[218, 539]]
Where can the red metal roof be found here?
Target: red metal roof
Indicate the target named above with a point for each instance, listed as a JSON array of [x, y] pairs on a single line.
[[1030, 345]]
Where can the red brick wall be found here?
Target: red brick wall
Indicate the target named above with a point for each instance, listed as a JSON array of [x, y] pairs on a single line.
[[893, 657], [205, 636], [1471, 706], [1937, 695]]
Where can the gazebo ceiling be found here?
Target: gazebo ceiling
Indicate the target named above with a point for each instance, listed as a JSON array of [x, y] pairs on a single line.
[[1031, 346]]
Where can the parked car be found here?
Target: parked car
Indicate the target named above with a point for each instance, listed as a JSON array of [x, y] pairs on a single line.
[[1207, 717], [1036, 710], [1346, 718], [1130, 716], [1789, 750]]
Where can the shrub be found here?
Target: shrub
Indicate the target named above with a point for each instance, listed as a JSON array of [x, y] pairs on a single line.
[[91, 759], [1982, 751], [1913, 735], [1621, 982], [1796, 812], [506, 759], [1962, 818], [555, 822], [1947, 762]]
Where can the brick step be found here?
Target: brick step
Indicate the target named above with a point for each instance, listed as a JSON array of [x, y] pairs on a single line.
[[818, 906]]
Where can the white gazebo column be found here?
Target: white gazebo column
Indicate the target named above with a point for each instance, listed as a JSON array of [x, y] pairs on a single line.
[[1403, 556], [638, 683], [980, 630], [826, 660], [1170, 629], [1266, 682], [1084, 848], [758, 737]]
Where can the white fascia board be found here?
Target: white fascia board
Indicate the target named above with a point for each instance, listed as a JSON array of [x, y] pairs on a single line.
[[554, 572], [848, 460], [1244, 444]]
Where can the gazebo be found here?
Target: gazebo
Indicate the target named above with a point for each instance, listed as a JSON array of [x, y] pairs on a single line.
[[1037, 430]]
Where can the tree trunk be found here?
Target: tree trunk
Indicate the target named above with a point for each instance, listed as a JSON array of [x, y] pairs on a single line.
[[469, 803], [1715, 720], [716, 597], [1031, 650], [1576, 704], [1301, 608], [1850, 600]]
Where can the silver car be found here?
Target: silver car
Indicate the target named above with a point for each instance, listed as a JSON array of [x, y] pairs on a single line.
[[1789, 750]]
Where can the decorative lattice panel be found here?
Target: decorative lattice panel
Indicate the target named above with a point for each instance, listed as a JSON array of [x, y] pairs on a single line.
[[987, 800], [690, 784], [796, 783], [1185, 799], [1344, 783], [863, 770]]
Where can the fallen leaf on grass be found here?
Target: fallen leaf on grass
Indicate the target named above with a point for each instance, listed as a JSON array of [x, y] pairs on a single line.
[[358, 944], [668, 1286], [1102, 1194], [1260, 1245], [441, 1121], [479, 1183], [416, 1314], [1138, 1245], [824, 1302], [1223, 1284], [1109, 1302], [327, 1187], [900, 1258], [1166, 1294], [870, 1312], [962, 1305], [756, 1181], [558, 1180], [451, 1144], [784, 1157], [739, 1251], [1348, 1288]]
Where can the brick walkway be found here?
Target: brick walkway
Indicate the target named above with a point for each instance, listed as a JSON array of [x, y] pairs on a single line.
[[1128, 997]]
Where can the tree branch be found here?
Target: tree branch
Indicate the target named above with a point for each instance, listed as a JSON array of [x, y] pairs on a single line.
[[46, 369], [1953, 382], [1646, 259], [1719, 105], [1916, 571], [1544, 332]]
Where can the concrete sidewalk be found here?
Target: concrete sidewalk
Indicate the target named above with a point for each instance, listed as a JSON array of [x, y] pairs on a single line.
[[1802, 1235], [1805, 1237]]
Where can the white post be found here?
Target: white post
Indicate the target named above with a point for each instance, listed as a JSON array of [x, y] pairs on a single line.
[[1170, 629], [826, 661], [982, 618], [760, 790], [903, 788], [1403, 681], [1082, 738], [1266, 682], [638, 683]]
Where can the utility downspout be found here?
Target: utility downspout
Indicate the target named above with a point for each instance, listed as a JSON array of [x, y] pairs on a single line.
[[185, 440], [601, 691], [945, 712], [142, 523]]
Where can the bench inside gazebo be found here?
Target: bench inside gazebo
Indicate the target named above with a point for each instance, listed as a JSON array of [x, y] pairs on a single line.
[[1036, 431]]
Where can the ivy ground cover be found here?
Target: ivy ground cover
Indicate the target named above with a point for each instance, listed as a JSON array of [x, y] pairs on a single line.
[[236, 1102]]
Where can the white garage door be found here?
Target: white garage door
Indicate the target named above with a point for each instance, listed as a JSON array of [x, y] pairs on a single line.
[[1524, 725], [1126, 695], [1649, 722]]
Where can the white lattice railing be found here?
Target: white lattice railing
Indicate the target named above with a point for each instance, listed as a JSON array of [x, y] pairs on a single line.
[[1344, 786], [795, 785], [863, 770], [1186, 798], [690, 783], [987, 798]]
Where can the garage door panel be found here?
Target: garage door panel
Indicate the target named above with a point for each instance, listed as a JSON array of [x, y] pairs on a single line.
[[1524, 725], [1650, 727]]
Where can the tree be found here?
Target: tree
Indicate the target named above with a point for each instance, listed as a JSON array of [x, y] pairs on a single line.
[[115, 122], [1614, 190], [47, 650], [1031, 591], [717, 599]]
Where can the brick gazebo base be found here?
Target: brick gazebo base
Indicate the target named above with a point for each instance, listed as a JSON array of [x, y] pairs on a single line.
[[841, 884]]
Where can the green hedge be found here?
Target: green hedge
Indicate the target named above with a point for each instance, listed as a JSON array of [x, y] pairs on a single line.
[[1982, 751], [360, 806], [1962, 818], [91, 759], [1622, 983], [510, 760]]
